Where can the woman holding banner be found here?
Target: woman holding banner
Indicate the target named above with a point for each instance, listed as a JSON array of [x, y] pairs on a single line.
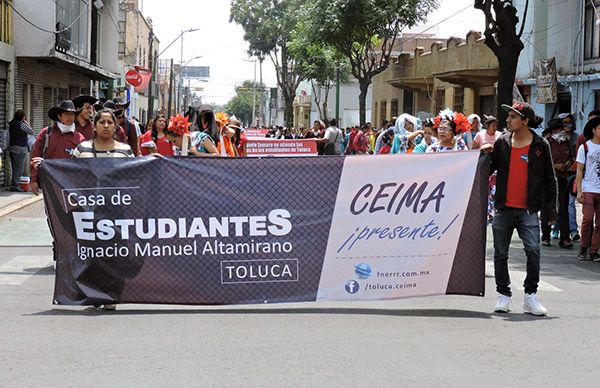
[[448, 123], [103, 145]]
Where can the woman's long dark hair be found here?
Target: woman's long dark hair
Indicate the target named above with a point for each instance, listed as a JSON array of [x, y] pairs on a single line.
[[154, 129]]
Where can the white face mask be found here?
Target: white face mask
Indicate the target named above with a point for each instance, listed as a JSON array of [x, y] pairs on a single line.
[[66, 128], [559, 137]]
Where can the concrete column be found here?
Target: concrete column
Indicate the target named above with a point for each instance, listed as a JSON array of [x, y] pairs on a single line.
[[469, 101]]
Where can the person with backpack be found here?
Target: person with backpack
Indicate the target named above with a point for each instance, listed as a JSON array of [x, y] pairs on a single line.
[[333, 138], [57, 141], [588, 190]]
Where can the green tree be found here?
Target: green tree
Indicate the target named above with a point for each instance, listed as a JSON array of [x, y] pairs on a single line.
[[267, 28], [241, 104], [363, 31], [502, 38], [322, 64]]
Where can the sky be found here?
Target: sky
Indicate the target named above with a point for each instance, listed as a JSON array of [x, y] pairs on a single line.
[[222, 46]]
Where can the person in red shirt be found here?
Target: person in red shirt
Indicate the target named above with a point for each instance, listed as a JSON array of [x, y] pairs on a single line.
[[361, 142], [55, 142], [525, 185], [351, 148], [157, 137], [83, 122]]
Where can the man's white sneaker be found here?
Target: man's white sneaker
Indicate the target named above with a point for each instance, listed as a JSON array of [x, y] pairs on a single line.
[[502, 304], [531, 305]]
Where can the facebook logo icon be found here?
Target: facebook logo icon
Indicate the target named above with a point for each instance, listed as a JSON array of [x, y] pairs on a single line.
[[352, 287]]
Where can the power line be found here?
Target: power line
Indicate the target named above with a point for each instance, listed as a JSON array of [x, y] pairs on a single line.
[[43, 29], [442, 21]]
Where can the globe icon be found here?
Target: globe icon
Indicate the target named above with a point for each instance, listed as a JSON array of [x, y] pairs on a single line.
[[363, 271]]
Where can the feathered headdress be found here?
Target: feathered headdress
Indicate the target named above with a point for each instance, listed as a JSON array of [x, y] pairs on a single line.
[[179, 125], [459, 121], [222, 119]]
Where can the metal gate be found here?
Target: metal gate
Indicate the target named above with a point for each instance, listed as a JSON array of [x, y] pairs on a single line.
[[5, 161]]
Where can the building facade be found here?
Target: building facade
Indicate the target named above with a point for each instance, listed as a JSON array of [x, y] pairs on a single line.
[[138, 50], [7, 87], [457, 74], [80, 58], [569, 32]]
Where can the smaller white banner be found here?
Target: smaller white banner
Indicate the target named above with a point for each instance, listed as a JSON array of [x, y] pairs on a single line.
[[396, 225]]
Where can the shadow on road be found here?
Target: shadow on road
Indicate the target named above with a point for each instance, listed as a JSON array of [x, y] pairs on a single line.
[[429, 313]]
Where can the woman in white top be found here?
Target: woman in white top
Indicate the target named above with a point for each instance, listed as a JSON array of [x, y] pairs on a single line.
[[103, 145]]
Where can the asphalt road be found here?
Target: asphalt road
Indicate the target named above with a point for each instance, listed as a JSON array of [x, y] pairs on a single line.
[[435, 341]]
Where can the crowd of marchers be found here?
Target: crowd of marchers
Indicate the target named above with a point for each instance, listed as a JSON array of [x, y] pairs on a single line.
[[538, 172]]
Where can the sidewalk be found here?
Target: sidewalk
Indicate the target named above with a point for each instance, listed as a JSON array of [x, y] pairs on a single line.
[[11, 201]]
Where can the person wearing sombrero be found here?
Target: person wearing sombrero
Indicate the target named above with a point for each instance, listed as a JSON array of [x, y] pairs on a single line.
[[562, 159], [57, 141], [588, 190], [129, 127], [240, 140], [83, 122], [525, 185]]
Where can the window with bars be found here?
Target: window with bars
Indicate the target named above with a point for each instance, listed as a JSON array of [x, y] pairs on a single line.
[[591, 30], [383, 110], [459, 99], [440, 100], [408, 103], [74, 14], [394, 108]]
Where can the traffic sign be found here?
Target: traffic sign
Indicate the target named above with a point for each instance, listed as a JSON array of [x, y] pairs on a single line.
[[133, 78]]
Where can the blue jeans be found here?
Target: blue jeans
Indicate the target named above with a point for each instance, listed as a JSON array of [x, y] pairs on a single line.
[[528, 227], [17, 163], [572, 214]]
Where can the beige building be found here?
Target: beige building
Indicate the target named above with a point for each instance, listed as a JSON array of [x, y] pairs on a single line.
[[458, 74], [137, 47]]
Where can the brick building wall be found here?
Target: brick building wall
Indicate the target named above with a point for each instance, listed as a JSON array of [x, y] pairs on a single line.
[[40, 84]]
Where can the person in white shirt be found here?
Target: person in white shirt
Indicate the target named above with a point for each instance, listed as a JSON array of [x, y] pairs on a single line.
[[588, 190]]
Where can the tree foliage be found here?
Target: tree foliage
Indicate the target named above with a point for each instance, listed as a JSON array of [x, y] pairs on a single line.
[[501, 37], [323, 65], [241, 104], [268, 25], [363, 31]]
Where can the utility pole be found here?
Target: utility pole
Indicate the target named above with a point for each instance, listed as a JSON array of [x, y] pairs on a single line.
[[171, 76], [337, 94], [261, 114], [254, 97], [151, 66]]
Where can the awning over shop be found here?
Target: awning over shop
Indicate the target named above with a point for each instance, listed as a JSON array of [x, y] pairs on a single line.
[[414, 84], [469, 78]]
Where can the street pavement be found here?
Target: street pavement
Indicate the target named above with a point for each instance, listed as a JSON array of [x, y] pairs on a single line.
[[423, 342]]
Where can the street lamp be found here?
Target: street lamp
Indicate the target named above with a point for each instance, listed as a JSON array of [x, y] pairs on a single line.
[[163, 51], [189, 93]]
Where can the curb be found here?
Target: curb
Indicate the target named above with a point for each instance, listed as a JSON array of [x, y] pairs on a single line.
[[19, 205]]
